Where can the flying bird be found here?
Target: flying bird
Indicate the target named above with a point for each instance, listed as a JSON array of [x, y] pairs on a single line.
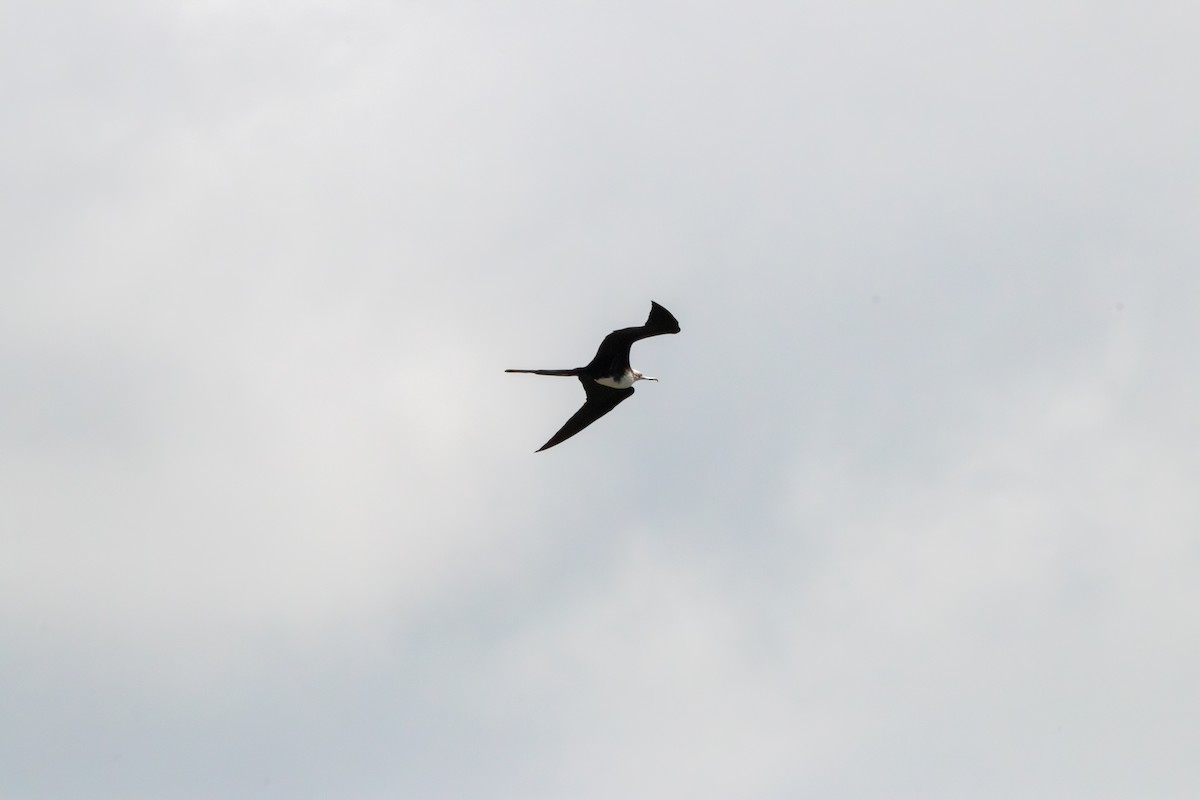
[[608, 379]]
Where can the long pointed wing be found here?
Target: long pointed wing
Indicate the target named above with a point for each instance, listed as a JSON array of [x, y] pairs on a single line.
[[613, 355], [600, 401]]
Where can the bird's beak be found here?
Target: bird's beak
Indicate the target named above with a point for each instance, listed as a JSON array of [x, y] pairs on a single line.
[[647, 377]]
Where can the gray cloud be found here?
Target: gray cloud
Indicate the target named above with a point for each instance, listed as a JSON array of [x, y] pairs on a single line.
[[911, 514]]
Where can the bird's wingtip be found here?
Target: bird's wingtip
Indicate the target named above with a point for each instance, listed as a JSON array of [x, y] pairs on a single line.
[[661, 319]]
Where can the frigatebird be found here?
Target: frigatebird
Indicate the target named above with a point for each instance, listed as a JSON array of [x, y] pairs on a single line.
[[608, 379]]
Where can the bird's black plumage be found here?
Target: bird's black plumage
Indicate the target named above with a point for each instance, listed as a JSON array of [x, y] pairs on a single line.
[[610, 364], [600, 401]]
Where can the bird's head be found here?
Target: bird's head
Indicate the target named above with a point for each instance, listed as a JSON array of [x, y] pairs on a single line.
[[637, 376]]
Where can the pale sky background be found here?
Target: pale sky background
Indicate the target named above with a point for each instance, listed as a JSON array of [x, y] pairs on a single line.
[[914, 512]]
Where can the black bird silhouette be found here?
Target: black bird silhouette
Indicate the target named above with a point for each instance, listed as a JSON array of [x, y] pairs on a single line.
[[608, 379]]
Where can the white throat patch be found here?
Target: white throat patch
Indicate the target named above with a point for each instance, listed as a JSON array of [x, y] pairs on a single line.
[[624, 382]]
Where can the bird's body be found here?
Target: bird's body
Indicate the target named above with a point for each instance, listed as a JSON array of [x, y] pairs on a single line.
[[608, 379], [622, 381]]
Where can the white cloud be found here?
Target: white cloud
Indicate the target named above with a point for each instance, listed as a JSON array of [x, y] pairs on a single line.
[[910, 514]]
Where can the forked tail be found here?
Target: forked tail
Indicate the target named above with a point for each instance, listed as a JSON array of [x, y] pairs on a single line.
[[563, 373]]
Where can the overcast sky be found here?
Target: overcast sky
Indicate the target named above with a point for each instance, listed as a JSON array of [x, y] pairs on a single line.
[[913, 512]]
